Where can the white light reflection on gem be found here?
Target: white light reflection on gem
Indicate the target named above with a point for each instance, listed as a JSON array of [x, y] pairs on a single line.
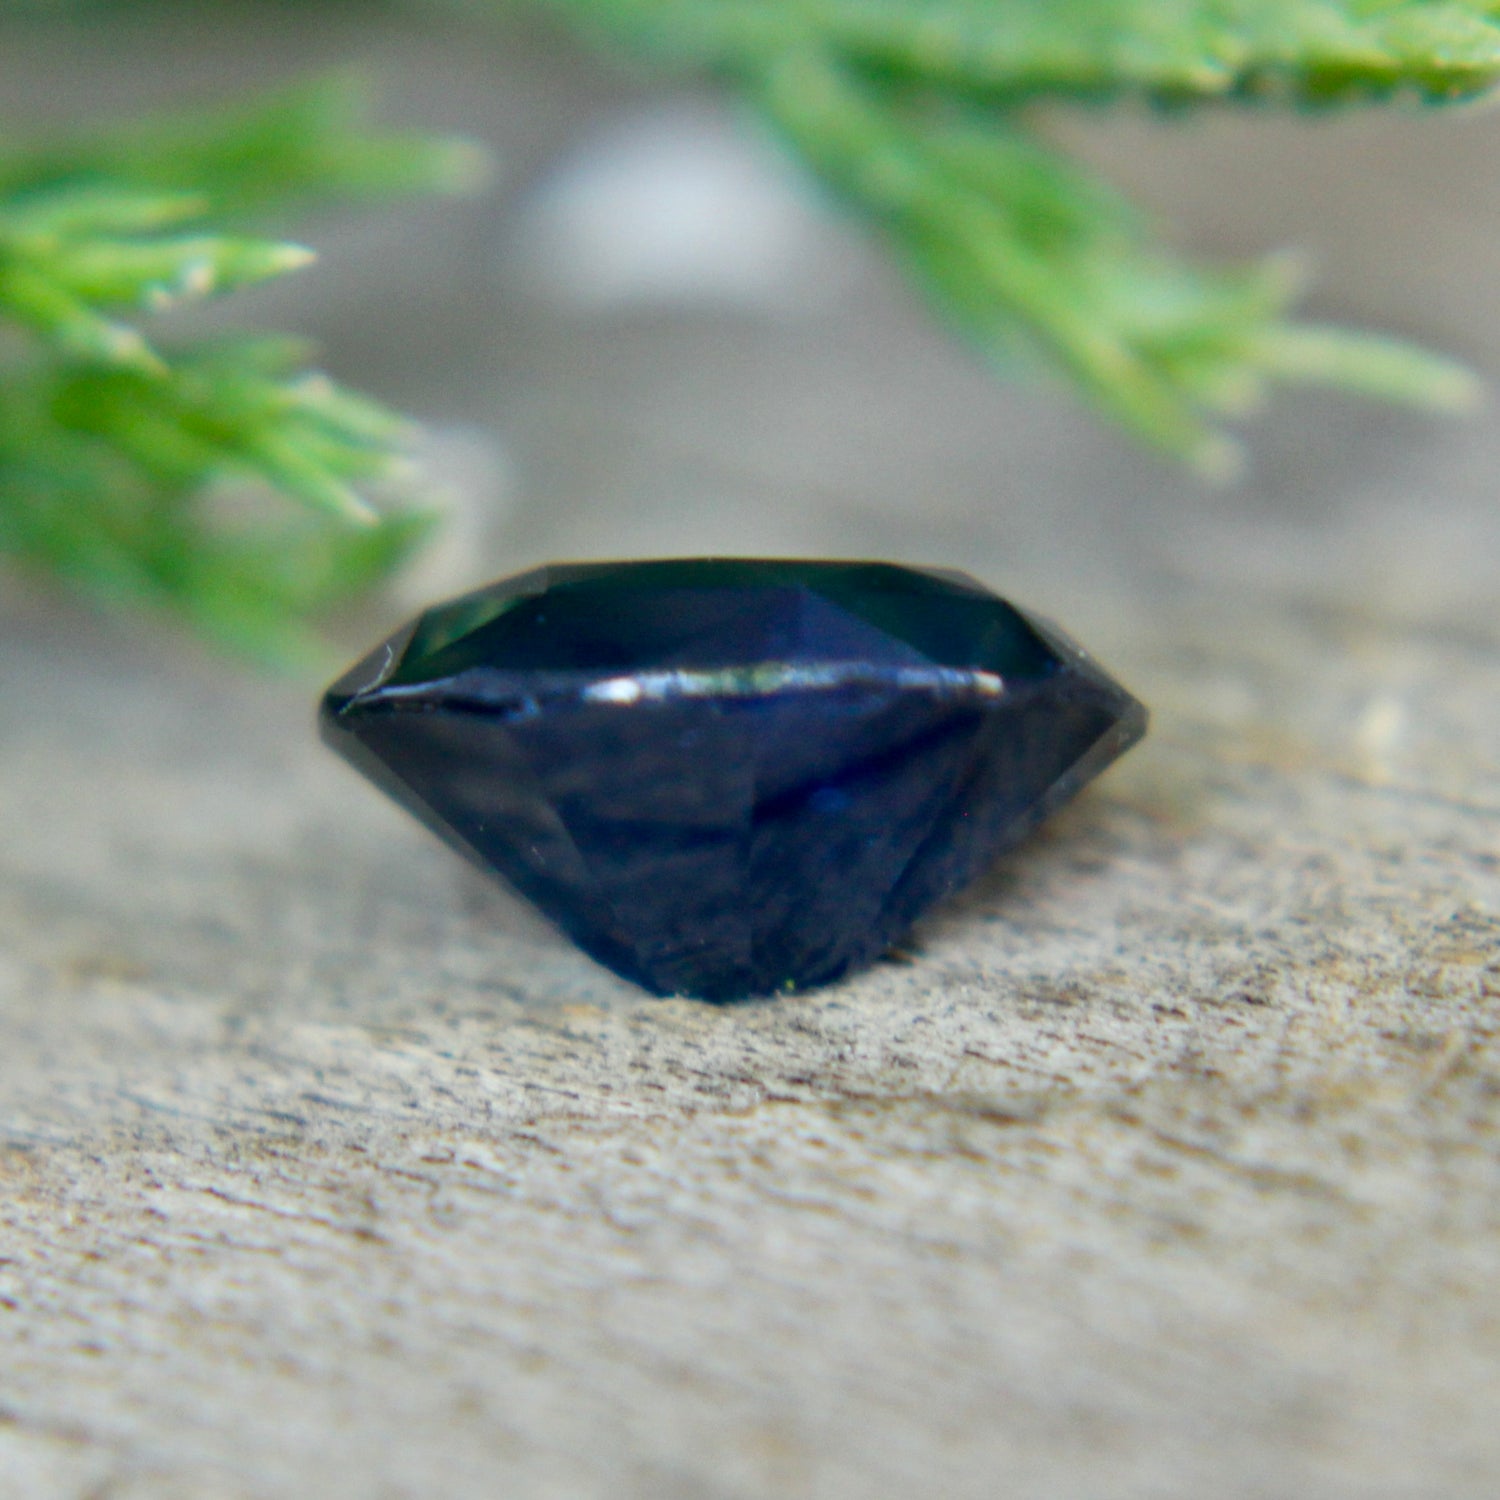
[[776, 677]]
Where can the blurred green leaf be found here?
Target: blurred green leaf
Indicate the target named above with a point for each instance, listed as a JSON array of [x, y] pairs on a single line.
[[311, 142], [915, 113], [227, 482], [1023, 249], [1312, 52]]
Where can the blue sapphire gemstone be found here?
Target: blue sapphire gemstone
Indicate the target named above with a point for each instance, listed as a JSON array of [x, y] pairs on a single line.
[[731, 777]]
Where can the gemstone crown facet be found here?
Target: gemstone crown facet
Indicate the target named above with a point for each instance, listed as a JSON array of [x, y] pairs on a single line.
[[731, 777]]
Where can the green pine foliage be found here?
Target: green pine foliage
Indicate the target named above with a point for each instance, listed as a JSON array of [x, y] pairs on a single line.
[[1006, 52], [229, 483], [919, 114], [225, 481]]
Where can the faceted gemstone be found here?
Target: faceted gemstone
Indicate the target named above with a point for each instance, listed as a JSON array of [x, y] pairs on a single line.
[[730, 777]]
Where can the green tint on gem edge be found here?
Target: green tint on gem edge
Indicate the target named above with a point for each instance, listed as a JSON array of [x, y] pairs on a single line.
[[974, 630]]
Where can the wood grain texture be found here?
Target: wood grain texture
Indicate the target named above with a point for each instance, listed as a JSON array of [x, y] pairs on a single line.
[[1167, 1163]]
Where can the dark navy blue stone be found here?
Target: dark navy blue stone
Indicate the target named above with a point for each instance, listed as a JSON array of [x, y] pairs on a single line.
[[731, 777]]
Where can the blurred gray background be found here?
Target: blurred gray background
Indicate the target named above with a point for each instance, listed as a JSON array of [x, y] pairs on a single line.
[[1169, 1166]]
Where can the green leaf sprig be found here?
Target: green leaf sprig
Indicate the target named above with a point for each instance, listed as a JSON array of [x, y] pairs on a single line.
[[120, 454], [920, 114]]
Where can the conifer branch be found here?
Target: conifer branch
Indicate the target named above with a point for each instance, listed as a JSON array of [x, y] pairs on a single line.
[[1004, 52], [119, 453], [914, 112]]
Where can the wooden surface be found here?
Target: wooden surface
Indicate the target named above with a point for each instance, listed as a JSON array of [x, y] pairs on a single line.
[[1167, 1166]]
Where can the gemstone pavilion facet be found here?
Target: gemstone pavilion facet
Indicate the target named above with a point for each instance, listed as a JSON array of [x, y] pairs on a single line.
[[728, 777]]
